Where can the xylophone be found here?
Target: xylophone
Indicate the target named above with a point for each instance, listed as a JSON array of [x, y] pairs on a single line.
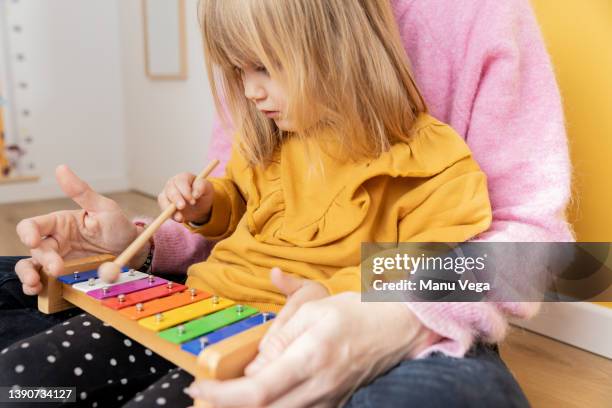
[[206, 335]]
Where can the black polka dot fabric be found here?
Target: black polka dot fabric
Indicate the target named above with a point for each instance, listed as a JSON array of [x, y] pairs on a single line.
[[107, 368]]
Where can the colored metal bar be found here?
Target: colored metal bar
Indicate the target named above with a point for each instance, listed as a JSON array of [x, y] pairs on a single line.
[[84, 276], [197, 345], [127, 287], [182, 314], [161, 305], [97, 283], [207, 324], [142, 296]]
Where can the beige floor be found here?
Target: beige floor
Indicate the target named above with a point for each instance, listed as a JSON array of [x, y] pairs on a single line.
[[552, 374]]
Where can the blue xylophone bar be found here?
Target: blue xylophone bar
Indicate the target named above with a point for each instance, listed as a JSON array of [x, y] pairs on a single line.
[[71, 279], [195, 346]]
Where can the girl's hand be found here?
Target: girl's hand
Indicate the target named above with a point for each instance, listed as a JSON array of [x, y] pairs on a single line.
[[326, 350], [193, 199], [99, 227]]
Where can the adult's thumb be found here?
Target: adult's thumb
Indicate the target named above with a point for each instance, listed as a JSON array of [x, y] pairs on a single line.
[[277, 341], [286, 283], [80, 192]]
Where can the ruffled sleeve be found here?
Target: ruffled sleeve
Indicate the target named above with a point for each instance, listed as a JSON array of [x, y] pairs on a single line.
[[311, 203]]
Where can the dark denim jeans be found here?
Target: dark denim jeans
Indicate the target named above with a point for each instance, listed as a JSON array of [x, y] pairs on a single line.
[[480, 379]]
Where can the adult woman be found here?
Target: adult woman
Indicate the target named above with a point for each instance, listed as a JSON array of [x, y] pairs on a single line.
[[483, 69]]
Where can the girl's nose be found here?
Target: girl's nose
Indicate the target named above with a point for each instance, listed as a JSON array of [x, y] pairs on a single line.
[[253, 90]]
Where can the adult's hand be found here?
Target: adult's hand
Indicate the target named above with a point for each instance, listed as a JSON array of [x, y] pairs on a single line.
[[328, 348], [298, 292], [99, 227]]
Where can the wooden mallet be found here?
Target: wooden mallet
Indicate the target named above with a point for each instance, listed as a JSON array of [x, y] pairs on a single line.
[[109, 271]]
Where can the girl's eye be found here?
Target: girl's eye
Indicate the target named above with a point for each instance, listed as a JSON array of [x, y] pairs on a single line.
[[257, 68]]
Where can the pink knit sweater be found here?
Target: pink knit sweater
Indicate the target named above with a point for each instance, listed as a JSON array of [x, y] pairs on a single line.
[[483, 68]]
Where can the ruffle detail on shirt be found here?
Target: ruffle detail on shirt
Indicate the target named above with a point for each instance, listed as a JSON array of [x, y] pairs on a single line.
[[286, 204]]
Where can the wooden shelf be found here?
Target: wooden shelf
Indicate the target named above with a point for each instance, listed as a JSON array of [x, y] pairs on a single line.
[[18, 179]]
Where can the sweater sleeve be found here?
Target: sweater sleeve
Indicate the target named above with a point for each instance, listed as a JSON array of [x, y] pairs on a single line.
[[517, 129], [177, 248], [506, 103]]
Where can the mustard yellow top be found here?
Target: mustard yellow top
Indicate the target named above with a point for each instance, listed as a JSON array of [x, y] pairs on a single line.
[[312, 224]]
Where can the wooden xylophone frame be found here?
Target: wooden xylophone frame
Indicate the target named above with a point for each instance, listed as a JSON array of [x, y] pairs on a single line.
[[224, 360]]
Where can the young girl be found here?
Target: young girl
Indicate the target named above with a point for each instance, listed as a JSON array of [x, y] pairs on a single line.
[[334, 147]]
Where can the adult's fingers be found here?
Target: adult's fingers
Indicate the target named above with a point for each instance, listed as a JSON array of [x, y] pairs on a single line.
[[290, 286], [32, 290], [278, 378], [47, 255], [81, 193], [31, 230], [28, 271], [290, 308], [269, 345], [308, 394], [280, 337]]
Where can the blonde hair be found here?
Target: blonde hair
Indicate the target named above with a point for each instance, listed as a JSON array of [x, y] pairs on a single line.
[[341, 62]]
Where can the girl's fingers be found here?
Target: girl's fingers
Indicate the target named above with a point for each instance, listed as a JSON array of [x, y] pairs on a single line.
[[183, 184], [162, 200], [199, 188], [181, 190], [163, 203], [174, 195], [167, 197]]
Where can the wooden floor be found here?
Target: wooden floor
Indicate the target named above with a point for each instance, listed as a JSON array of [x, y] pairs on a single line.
[[552, 374]]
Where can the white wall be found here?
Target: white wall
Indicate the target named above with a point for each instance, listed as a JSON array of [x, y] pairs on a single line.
[[74, 95], [167, 123], [6, 82], [91, 104]]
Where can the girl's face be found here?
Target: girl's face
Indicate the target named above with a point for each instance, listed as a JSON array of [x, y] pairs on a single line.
[[267, 94]]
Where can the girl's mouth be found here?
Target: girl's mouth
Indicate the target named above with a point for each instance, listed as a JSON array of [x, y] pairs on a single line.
[[271, 114]]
